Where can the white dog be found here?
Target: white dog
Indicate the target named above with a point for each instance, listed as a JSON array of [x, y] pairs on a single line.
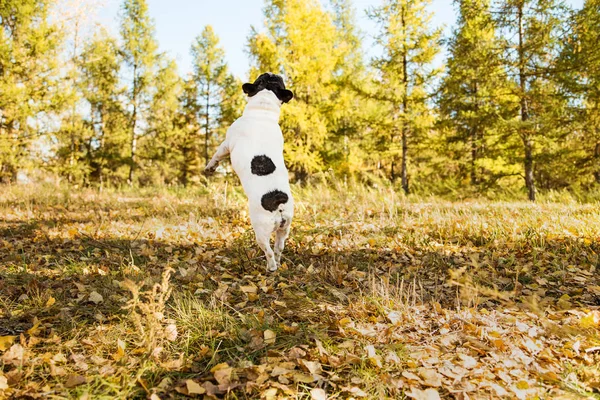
[[255, 145]]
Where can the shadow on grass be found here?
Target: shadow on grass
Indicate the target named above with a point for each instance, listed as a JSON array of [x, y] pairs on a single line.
[[35, 268]]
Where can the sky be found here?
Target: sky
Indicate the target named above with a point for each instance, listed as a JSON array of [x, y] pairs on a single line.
[[178, 22]]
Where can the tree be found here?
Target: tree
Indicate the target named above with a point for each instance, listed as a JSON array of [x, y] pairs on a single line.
[[472, 92], [348, 111], [29, 47], [139, 51], [405, 70], [210, 73], [579, 75], [161, 139], [189, 126], [106, 148], [531, 28], [300, 44]]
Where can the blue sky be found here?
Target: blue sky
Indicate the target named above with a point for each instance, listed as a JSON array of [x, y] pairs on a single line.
[[178, 22]]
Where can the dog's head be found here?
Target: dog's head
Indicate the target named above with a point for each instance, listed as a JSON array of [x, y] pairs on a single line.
[[269, 81]]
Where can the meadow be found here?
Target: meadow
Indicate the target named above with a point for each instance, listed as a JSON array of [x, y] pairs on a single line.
[[163, 293]]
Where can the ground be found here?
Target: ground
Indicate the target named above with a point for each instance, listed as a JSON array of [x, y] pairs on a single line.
[[164, 294]]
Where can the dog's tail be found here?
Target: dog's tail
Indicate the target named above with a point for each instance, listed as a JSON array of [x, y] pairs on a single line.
[[285, 218]]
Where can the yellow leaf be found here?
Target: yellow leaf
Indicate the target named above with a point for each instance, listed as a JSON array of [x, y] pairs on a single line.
[[591, 320], [193, 387], [269, 336], [35, 328], [344, 321], [6, 342], [249, 289], [50, 302], [522, 385], [120, 350], [303, 378], [218, 367]]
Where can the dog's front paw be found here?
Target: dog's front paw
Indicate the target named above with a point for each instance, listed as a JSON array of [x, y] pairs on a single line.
[[208, 171]]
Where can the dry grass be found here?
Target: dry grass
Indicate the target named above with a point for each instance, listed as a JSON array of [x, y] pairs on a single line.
[[163, 294]]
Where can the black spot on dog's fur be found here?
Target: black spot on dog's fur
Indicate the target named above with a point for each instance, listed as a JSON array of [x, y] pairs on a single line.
[[262, 165], [271, 201], [269, 81]]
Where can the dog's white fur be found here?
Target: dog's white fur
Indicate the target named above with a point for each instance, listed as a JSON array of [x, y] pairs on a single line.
[[257, 132]]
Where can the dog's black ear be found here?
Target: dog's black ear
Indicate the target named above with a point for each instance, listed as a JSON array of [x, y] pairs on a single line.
[[250, 89], [285, 95]]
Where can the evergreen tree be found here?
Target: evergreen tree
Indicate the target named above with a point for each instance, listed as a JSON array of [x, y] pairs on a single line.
[[106, 146], [159, 143], [29, 47], [405, 70], [139, 50], [189, 126], [471, 94], [531, 28], [210, 73], [349, 111], [300, 44], [579, 74]]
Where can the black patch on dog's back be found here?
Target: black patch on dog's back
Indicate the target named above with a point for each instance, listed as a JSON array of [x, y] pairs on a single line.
[[271, 201], [262, 165]]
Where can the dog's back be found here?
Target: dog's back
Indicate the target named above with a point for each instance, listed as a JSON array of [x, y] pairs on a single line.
[[256, 146]]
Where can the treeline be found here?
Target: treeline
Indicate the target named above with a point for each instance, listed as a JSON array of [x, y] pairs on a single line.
[[516, 105]]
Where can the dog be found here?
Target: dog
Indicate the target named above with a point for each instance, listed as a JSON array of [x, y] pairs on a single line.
[[254, 143]]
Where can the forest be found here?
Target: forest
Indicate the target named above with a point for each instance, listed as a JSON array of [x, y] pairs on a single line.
[[514, 107], [418, 265]]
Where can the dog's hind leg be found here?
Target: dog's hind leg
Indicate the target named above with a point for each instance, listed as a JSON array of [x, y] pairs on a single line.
[[222, 152], [263, 238], [280, 237]]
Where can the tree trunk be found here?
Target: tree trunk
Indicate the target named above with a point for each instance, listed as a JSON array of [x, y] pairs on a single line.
[[529, 181], [475, 137], [403, 170], [207, 132], [133, 139], [597, 163], [525, 135]]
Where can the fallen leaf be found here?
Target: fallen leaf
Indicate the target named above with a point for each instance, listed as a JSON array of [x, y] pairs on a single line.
[[95, 297], [468, 362], [428, 394], [171, 332], [395, 317], [120, 350], [3, 382], [34, 330], [430, 377], [223, 375], [249, 289], [318, 394], [269, 336], [6, 342], [14, 355], [314, 367], [74, 380], [357, 392], [193, 387], [51, 300]]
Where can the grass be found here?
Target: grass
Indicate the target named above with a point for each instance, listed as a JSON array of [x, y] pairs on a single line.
[[160, 293]]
